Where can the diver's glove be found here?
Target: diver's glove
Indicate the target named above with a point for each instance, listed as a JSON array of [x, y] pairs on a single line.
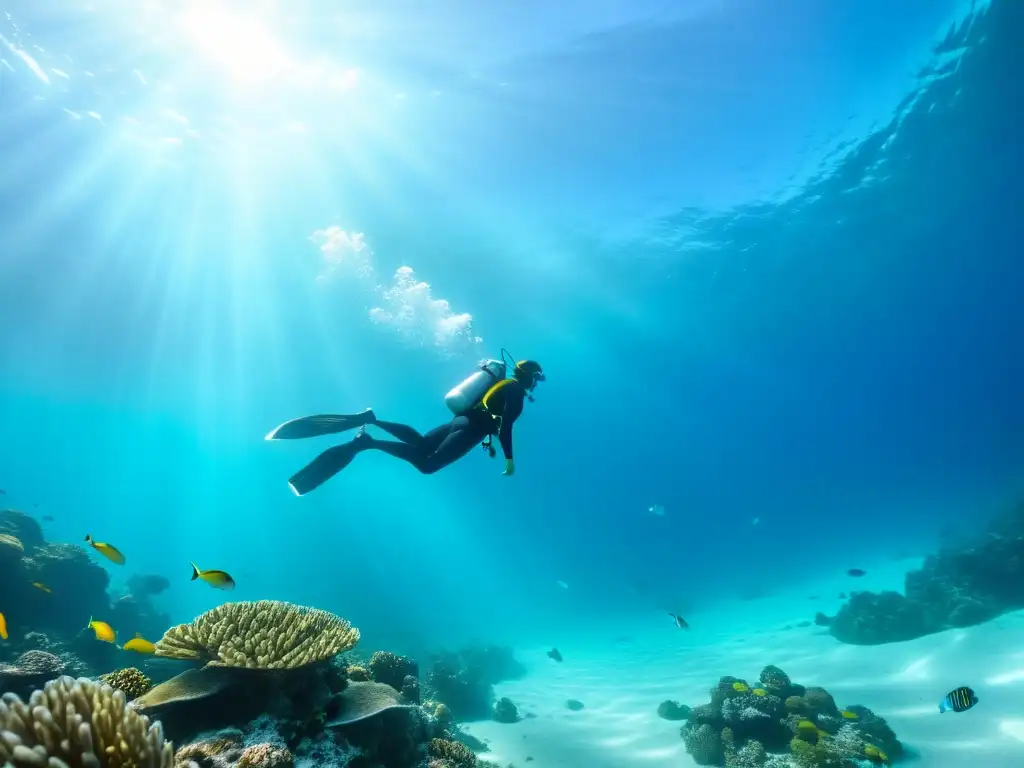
[[510, 468]]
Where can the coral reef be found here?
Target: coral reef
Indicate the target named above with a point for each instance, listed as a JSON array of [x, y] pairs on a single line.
[[79, 723], [748, 727], [266, 634], [962, 585], [30, 670], [392, 669], [673, 710], [464, 680], [130, 681]]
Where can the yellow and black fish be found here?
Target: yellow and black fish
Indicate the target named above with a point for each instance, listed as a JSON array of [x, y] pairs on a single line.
[[109, 551], [217, 579], [959, 700]]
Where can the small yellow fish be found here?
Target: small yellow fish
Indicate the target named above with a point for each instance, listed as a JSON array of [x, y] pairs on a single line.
[[140, 645], [103, 631], [3, 627], [759, 692], [39, 585], [849, 715], [740, 687], [109, 551], [217, 579]]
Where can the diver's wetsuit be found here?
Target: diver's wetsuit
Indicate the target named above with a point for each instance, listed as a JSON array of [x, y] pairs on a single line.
[[448, 443]]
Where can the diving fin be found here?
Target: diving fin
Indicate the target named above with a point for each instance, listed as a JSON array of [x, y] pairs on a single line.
[[327, 465], [323, 424]]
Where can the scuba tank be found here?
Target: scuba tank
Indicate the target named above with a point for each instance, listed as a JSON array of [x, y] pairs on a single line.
[[464, 397]]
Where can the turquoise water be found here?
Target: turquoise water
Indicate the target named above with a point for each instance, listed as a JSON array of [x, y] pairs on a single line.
[[766, 253]]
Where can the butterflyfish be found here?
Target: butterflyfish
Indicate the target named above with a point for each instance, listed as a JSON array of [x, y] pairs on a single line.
[[109, 551], [216, 579], [139, 644], [103, 630]]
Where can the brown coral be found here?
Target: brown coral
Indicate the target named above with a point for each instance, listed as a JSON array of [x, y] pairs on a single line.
[[357, 673], [267, 634], [129, 680], [265, 756], [391, 669], [79, 723], [457, 755]]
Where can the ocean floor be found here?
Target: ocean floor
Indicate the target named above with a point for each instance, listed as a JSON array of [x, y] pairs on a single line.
[[622, 683]]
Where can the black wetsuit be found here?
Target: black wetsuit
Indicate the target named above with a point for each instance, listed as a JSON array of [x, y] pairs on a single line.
[[448, 443]]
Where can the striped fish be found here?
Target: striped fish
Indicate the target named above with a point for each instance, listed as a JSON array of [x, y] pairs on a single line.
[[959, 700]]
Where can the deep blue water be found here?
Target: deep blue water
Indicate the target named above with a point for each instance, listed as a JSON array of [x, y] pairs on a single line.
[[768, 254]]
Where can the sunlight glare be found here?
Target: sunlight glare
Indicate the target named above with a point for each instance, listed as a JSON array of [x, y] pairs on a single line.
[[243, 46]]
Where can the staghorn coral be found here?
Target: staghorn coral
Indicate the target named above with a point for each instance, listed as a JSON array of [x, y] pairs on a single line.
[[129, 681], [391, 669], [453, 753], [79, 723], [265, 756], [266, 634]]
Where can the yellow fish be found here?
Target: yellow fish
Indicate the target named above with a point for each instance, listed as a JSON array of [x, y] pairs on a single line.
[[218, 579], [139, 644], [3, 627], [43, 587], [103, 630], [109, 551]]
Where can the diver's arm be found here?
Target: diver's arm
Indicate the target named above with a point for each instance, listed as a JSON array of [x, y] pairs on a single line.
[[513, 408]]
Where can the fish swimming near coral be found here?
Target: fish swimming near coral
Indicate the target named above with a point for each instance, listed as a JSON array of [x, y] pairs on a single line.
[[554, 654], [139, 644], [42, 587], [856, 573], [216, 579], [679, 620], [959, 700], [109, 551], [3, 627], [847, 714], [103, 630]]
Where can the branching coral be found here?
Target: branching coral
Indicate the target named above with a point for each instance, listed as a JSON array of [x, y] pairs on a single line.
[[267, 634], [129, 680], [79, 723]]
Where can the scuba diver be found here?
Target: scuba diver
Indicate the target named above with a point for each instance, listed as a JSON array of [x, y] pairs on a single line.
[[485, 404]]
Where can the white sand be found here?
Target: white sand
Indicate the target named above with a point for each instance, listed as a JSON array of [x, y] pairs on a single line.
[[622, 684]]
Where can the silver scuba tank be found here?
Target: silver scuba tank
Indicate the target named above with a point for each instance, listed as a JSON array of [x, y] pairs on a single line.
[[464, 396]]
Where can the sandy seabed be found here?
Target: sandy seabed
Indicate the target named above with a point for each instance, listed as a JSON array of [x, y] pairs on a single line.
[[622, 682]]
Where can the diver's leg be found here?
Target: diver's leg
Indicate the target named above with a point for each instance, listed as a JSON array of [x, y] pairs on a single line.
[[457, 444], [403, 432], [328, 464], [414, 451], [323, 424]]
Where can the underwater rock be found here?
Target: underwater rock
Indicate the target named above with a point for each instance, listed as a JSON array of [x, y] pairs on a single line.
[[671, 710], [505, 711], [133, 616], [464, 681], [78, 589], [873, 619], [576, 705], [140, 586]]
